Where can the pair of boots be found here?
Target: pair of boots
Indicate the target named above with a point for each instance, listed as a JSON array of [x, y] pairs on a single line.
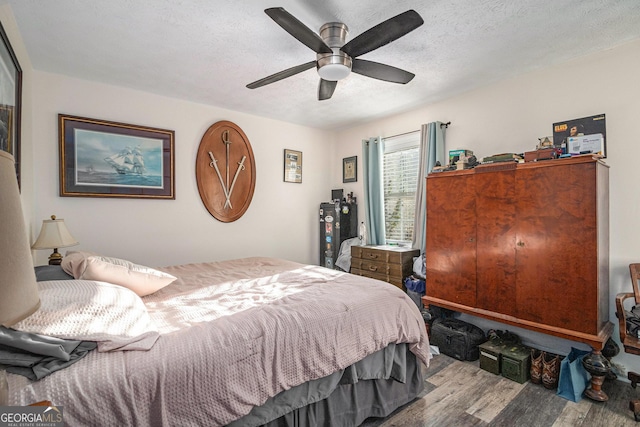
[[545, 368]]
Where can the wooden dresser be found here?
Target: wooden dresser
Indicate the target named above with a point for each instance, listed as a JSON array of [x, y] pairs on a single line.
[[388, 263]]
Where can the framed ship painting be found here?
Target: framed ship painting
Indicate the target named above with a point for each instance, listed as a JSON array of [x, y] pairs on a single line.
[[108, 159], [10, 100]]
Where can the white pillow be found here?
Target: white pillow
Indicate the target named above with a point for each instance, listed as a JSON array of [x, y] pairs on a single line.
[[113, 316], [140, 279], [72, 261]]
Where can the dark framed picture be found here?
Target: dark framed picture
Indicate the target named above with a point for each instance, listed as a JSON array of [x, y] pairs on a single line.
[[10, 101], [100, 158], [292, 166], [350, 169]]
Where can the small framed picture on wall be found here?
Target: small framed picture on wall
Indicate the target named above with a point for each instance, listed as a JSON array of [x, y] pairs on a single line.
[[350, 169], [292, 166]]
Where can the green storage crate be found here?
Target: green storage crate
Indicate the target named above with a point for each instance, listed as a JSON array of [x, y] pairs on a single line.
[[490, 356], [516, 363]]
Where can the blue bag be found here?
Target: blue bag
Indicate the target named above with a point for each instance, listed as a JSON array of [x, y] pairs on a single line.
[[414, 284], [415, 290], [574, 379]]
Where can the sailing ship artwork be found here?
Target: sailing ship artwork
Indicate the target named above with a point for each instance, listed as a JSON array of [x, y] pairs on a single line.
[[128, 161], [104, 159]]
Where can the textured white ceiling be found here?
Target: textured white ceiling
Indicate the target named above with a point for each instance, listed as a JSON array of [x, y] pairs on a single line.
[[207, 51]]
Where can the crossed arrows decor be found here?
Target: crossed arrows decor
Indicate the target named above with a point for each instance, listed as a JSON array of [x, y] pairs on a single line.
[[225, 139]]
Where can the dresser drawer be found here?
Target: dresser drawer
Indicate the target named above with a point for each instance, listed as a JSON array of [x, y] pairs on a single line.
[[377, 267], [375, 254]]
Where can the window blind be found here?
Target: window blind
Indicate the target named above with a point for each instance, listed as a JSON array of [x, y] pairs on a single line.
[[400, 171]]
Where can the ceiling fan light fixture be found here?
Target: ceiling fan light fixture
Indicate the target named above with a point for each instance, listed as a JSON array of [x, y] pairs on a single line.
[[335, 66], [334, 72]]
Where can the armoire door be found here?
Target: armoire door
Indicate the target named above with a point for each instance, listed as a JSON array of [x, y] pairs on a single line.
[[451, 238], [556, 246], [496, 245]]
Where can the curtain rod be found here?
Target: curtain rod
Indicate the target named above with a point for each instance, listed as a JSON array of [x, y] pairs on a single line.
[[446, 125], [401, 134]]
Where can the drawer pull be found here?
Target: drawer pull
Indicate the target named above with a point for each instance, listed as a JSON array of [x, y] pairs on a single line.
[[373, 268], [372, 256]]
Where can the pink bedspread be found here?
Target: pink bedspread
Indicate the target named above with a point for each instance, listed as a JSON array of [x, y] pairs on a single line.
[[233, 333]]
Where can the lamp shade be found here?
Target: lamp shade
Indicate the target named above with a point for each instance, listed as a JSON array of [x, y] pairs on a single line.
[[54, 234], [18, 288]]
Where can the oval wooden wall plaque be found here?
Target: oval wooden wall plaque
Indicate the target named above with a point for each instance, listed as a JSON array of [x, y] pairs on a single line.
[[225, 171]]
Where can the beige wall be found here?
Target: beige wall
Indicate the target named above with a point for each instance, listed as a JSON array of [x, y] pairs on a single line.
[[281, 220], [509, 117]]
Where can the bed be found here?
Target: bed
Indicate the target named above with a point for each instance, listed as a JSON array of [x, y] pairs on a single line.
[[253, 341]]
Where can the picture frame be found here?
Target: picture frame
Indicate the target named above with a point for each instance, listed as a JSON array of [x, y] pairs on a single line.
[[100, 158], [10, 101], [292, 166], [350, 169]]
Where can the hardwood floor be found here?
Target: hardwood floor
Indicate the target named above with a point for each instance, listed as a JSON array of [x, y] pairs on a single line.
[[461, 394]]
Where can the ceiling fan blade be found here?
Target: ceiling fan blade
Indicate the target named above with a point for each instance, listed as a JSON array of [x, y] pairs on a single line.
[[326, 88], [383, 33], [282, 75], [380, 71], [298, 30]]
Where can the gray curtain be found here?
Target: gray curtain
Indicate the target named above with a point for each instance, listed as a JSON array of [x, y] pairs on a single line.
[[431, 150], [372, 158]]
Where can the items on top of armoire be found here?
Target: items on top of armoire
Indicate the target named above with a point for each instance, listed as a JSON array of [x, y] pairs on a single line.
[[571, 138], [459, 159], [585, 135]]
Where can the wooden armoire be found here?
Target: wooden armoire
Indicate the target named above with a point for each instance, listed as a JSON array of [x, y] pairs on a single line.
[[523, 244]]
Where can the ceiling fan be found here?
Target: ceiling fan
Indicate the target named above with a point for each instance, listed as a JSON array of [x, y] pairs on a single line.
[[336, 59]]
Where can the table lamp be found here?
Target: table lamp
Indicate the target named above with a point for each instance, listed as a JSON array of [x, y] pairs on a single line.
[[18, 288], [53, 235]]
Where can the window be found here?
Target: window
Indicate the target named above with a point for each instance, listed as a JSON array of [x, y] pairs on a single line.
[[400, 174]]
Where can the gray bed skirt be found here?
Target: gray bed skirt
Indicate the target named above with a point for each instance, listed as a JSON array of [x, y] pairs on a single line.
[[372, 387]]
